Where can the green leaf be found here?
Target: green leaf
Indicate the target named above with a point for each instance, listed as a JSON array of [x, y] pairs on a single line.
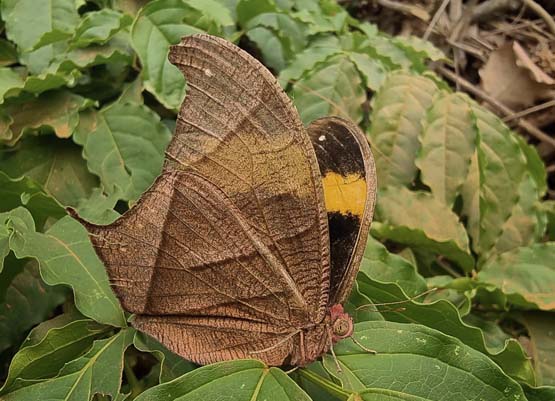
[[11, 81], [111, 148], [442, 315], [536, 166], [15, 81], [248, 9], [58, 111], [335, 88], [494, 335], [545, 393], [99, 371], [66, 256], [541, 329], [43, 357], [278, 36], [8, 53], [213, 10], [28, 301], [448, 142], [25, 192], [527, 221], [28, 20], [99, 207], [171, 366], [159, 25], [318, 52], [427, 364], [488, 198], [53, 163], [525, 275], [373, 71], [417, 219], [247, 380], [397, 111], [381, 47], [387, 267], [99, 27], [116, 52], [418, 49]]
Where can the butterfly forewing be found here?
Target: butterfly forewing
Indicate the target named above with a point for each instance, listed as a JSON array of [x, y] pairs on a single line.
[[349, 181], [234, 232]]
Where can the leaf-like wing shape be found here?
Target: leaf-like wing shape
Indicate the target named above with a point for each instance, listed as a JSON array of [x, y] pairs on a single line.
[[349, 180], [233, 234], [239, 130]]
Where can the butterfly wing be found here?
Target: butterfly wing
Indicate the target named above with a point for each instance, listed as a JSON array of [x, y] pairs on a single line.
[[349, 180], [235, 228]]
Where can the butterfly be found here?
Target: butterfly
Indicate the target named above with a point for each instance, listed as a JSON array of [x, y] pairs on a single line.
[[248, 243]]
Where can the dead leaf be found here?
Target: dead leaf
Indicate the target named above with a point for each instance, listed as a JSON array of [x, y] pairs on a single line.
[[512, 78]]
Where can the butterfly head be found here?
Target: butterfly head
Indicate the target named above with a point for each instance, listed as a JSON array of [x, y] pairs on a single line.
[[341, 323]]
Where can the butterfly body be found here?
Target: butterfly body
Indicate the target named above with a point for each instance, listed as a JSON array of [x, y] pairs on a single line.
[[249, 241]]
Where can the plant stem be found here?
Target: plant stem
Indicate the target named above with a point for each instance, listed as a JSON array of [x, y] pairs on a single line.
[[327, 385]]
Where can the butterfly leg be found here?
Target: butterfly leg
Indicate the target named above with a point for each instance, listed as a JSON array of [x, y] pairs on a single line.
[[330, 336], [371, 351]]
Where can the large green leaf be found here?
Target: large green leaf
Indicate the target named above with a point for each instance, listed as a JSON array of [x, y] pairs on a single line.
[[387, 267], [545, 393], [335, 88], [541, 328], [116, 52], [525, 275], [278, 36], [492, 188], [414, 360], [248, 380], [397, 111], [448, 142], [159, 25], [27, 302], [23, 191], [66, 256], [527, 222], [53, 163], [248, 9], [442, 315], [99, 371], [28, 20], [111, 148], [318, 52], [170, 366], [42, 356], [99, 27], [15, 81], [58, 111], [417, 219]]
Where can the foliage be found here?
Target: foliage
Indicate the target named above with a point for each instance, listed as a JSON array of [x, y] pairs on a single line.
[[459, 208]]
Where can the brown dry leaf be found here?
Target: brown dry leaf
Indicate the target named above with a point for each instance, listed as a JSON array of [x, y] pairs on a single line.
[[512, 78]]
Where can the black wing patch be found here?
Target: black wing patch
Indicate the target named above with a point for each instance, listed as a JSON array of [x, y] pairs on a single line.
[[349, 181]]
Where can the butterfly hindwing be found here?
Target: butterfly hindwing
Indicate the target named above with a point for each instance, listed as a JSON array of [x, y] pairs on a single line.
[[235, 229], [349, 181]]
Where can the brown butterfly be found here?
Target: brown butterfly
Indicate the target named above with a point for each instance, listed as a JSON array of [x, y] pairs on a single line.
[[249, 241]]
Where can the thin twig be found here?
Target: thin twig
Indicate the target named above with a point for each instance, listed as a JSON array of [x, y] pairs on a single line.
[[409, 9], [530, 110], [542, 13], [484, 10], [524, 124], [435, 19]]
